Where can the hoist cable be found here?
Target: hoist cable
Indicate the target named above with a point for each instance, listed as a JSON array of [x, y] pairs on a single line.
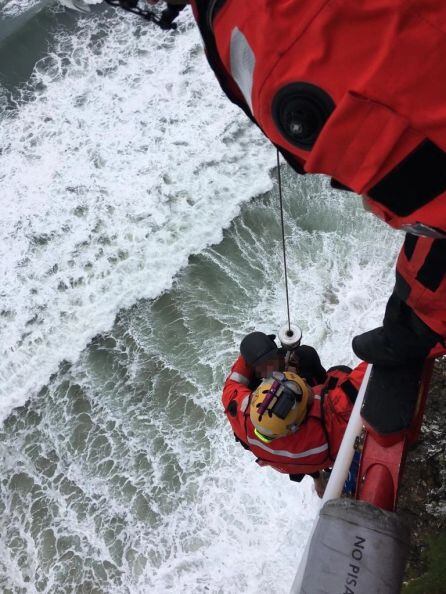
[[279, 180]]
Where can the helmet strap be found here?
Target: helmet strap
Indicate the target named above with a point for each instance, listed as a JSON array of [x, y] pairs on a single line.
[[262, 437]]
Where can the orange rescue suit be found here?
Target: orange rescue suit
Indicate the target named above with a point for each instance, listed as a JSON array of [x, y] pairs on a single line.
[[355, 89], [316, 443]]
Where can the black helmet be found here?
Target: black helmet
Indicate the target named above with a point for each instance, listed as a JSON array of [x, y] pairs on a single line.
[[258, 347]]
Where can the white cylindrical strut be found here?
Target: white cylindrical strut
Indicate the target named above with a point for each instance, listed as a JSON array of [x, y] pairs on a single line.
[[346, 451], [340, 471]]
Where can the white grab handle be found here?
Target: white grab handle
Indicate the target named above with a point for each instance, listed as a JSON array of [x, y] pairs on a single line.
[[339, 473]]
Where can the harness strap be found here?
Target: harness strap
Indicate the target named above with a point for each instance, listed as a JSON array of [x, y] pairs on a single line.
[[349, 390], [332, 382]]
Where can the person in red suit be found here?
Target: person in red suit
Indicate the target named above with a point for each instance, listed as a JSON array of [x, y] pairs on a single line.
[[300, 430]]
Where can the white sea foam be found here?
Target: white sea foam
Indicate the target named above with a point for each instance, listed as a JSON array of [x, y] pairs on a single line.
[[123, 159], [15, 8]]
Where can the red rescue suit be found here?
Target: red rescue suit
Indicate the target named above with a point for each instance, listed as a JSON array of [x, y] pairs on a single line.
[[316, 443], [355, 89]]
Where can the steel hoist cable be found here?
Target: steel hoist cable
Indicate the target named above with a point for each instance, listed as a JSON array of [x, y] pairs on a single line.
[[279, 180]]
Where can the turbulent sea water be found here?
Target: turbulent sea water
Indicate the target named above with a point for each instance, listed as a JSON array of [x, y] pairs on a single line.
[[139, 241]]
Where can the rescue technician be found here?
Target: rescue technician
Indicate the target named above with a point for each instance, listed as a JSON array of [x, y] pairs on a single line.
[[356, 90], [300, 428]]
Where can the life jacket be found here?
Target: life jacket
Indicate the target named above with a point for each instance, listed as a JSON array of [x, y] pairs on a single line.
[[316, 443], [355, 89]]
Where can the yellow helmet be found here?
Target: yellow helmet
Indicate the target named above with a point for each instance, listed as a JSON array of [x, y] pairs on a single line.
[[279, 405]]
